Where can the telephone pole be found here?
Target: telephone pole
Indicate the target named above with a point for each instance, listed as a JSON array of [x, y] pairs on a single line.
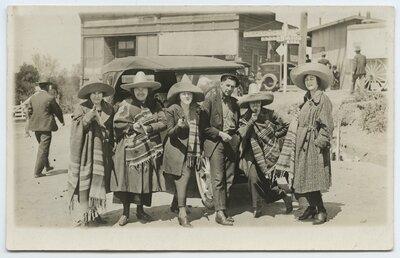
[[303, 37]]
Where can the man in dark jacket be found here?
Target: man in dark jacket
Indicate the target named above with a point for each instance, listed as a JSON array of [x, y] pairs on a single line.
[[359, 64], [41, 110], [219, 121]]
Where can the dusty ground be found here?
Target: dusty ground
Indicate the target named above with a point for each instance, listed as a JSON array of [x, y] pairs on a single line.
[[358, 196]]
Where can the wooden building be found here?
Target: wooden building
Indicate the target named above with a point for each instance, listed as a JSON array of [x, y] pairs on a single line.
[[106, 36], [331, 39]]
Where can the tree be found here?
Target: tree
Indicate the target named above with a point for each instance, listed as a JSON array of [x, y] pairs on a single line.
[[25, 81], [46, 65]]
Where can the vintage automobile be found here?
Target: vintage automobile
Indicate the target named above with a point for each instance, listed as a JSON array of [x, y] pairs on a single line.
[[168, 70]]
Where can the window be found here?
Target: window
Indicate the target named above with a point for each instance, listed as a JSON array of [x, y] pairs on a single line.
[[126, 47]]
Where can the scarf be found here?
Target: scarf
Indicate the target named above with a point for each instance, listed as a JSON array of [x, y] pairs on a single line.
[[193, 157], [265, 146], [141, 149], [286, 158], [86, 175]]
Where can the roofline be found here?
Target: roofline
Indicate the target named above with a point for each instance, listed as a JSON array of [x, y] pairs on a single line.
[[350, 18]]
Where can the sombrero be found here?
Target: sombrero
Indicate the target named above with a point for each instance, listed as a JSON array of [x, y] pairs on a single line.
[[185, 85], [236, 79], [95, 86], [319, 70], [140, 81], [255, 94]]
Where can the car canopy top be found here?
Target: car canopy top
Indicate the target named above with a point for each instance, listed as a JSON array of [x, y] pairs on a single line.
[[169, 63]]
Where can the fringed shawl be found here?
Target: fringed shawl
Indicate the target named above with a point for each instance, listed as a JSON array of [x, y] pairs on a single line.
[[193, 156], [286, 158], [86, 172]]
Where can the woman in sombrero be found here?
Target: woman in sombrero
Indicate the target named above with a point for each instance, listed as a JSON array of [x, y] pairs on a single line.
[[91, 146], [312, 168], [182, 149], [261, 130], [137, 124]]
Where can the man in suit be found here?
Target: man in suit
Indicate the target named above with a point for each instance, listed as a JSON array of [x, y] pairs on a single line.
[[359, 64], [41, 110], [219, 121]]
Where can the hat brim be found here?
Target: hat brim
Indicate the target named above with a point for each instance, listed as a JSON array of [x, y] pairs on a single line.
[[150, 85], [265, 98], [319, 70], [95, 87], [231, 75], [198, 94]]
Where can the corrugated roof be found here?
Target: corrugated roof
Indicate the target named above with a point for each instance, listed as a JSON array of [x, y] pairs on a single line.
[[347, 19]]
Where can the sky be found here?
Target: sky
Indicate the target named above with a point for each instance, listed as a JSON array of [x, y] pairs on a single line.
[[56, 31]]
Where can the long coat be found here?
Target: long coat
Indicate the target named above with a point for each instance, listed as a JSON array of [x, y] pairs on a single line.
[[359, 64], [312, 170], [211, 120], [42, 107], [175, 148], [133, 179]]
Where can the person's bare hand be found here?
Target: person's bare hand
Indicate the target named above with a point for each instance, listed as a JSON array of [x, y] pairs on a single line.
[[138, 128], [225, 137], [181, 122]]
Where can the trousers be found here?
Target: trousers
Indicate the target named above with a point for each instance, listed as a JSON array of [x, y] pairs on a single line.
[[42, 159], [222, 165]]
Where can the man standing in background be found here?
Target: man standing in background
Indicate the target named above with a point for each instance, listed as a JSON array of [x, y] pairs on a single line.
[[324, 61], [41, 110], [359, 64]]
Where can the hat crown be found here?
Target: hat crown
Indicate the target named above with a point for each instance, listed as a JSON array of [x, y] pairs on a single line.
[[140, 77], [186, 79], [253, 88]]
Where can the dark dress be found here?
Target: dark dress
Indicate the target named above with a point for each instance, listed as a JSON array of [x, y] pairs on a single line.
[[135, 184]]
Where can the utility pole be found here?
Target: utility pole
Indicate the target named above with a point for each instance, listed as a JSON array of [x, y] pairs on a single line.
[[285, 43], [303, 38]]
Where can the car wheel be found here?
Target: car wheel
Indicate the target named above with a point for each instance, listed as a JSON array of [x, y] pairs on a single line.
[[204, 185]]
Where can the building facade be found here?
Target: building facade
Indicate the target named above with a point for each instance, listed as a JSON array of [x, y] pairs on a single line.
[[107, 36]]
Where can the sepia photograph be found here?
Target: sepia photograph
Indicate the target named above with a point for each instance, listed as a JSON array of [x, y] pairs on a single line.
[[200, 128]]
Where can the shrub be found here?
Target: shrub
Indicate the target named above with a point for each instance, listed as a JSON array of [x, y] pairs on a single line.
[[374, 116]]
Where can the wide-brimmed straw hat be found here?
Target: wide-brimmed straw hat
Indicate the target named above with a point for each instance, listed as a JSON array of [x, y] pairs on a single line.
[[255, 94], [319, 70], [185, 85], [95, 86], [140, 81], [235, 78]]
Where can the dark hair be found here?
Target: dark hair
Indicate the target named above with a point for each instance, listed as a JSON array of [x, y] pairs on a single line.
[[318, 81], [230, 77]]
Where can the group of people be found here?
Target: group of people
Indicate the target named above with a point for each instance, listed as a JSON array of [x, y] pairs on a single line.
[[120, 149]]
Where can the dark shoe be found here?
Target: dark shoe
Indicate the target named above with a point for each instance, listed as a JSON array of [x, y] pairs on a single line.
[[257, 213], [322, 217], [288, 204], [40, 175], [184, 222], [310, 212], [49, 168], [221, 219], [143, 216], [123, 220]]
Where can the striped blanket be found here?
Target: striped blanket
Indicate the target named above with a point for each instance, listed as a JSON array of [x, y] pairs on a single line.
[[193, 157], [265, 146], [140, 149], [86, 174], [286, 158]]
